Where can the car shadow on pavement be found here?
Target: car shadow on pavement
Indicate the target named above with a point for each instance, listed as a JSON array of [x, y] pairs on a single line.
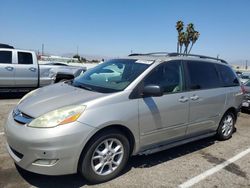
[[147, 161], [245, 111], [37, 180], [10, 95], [143, 161]]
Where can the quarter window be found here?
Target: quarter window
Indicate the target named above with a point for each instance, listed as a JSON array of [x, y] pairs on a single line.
[[227, 76], [203, 75], [168, 76], [25, 58], [6, 57]]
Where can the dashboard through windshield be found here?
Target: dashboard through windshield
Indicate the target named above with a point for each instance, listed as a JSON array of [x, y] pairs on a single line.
[[111, 76]]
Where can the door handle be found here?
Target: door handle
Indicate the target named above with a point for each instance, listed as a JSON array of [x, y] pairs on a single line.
[[183, 99], [194, 97], [32, 69], [9, 68]]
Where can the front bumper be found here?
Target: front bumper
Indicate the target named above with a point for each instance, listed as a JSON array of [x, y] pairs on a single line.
[[62, 145]]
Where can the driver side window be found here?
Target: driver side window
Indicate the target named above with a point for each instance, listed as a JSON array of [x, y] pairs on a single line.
[[168, 76]]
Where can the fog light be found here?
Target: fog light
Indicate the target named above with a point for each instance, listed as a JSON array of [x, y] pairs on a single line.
[[45, 162]]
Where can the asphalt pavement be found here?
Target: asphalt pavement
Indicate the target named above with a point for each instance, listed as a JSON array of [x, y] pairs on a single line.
[[205, 163]]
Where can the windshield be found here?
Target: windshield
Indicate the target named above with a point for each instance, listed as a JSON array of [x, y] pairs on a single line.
[[111, 76], [245, 76], [247, 83]]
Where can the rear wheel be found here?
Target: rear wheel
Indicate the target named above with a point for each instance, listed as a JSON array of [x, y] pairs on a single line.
[[226, 127], [105, 156]]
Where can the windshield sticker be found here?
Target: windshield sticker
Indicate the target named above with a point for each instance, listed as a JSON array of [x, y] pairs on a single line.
[[144, 61]]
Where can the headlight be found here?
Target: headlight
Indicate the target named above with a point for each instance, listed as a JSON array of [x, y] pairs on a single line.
[[58, 117], [27, 95]]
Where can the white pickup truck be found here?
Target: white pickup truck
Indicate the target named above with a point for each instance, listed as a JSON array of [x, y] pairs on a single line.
[[20, 71]]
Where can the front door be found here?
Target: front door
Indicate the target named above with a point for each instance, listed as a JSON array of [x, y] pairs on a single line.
[[164, 119], [26, 74]]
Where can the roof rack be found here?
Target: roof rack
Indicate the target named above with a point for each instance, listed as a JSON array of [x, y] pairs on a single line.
[[179, 54], [6, 46]]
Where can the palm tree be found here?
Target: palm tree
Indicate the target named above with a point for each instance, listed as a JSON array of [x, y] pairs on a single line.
[[186, 42], [185, 37], [195, 37], [188, 36], [181, 40], [179, 28]]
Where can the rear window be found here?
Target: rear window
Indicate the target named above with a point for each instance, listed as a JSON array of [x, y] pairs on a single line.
[[25, 58], [6, 57], [227, 75], [245, 77], [202, 75]]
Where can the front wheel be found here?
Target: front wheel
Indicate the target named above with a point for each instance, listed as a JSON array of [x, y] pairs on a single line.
[[105, 156], [226, 127]]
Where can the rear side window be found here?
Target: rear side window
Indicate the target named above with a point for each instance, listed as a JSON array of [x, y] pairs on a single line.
[[202, 75], [5, 57], [227, 75], [25, 58]]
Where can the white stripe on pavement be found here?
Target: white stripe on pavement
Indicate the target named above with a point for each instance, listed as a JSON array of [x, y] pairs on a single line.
[[213, 170], [1, 133]]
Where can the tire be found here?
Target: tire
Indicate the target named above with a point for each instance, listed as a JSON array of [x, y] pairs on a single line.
[[226, 127], [108, 162]]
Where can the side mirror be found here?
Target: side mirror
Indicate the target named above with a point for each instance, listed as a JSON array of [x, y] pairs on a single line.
[[152, 90]]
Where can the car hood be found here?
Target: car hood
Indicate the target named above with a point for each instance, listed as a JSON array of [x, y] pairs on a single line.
[[53, 97]]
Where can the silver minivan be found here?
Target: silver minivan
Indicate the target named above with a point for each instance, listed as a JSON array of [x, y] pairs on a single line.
[[140, 104]]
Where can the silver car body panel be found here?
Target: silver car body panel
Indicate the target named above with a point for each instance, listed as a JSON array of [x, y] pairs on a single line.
[[7, 72], [26, 75]]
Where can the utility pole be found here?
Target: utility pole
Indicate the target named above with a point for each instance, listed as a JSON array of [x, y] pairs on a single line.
[[77, 50], [42, 49], [246, 67]]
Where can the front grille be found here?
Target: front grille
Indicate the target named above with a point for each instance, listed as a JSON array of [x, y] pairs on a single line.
[[21, 117], [19, 155]]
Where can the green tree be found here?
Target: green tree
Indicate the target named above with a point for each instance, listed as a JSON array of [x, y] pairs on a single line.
[[186, 37], [194, 38], [83, 59], [179, 27], [77, 57]]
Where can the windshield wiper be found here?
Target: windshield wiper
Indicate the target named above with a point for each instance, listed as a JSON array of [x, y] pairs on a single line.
[[84, 87]]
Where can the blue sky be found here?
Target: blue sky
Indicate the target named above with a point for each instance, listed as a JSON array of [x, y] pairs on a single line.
[[115, 27]]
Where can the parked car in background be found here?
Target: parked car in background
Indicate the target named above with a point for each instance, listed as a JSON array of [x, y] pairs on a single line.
[[246, 100], [245, 76], [20, 71], [140, 104], [239, 73]]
